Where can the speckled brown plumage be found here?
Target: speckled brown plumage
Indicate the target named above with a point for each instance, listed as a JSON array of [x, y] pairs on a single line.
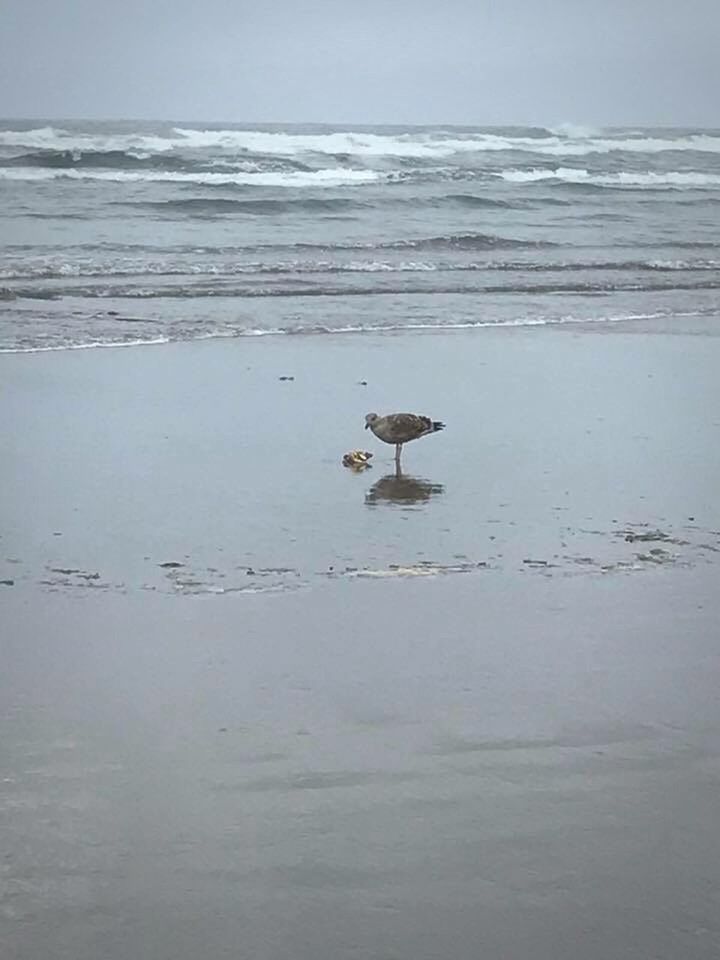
[[400, 428]]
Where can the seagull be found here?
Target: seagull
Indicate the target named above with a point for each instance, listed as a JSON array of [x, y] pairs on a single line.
[[400, 428]]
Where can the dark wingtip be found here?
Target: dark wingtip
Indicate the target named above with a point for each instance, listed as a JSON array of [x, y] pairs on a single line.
[[438, 425]]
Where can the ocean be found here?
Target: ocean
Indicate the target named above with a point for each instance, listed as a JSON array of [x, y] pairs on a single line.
[[134, 232]]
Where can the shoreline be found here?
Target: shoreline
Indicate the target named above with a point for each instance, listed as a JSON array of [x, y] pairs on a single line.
[[692, 324]]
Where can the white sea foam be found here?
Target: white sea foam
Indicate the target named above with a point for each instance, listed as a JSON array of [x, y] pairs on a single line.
[[295, 178], [436, 145], [562, 141], [57, 269], [127, 267], [290, 144], [355, 329], [92, 345], [54, 138], [580, 148], [622, 179], [367, 145], [570, 142], [684, 264]]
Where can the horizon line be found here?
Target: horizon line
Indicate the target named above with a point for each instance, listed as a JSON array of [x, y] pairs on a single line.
[[359, 123]]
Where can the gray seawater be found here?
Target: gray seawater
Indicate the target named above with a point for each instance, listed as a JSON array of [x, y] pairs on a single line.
[[129, 232]]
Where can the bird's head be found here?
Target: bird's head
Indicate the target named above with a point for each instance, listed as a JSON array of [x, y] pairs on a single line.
[[370, 418]]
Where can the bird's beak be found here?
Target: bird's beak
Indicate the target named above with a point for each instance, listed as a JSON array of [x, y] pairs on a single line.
[[367, 425]]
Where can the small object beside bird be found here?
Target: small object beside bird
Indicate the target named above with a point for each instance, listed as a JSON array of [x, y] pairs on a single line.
[[357, 459], [400, 428]]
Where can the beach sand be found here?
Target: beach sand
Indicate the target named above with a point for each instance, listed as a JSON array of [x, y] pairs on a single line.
[[257, 705]]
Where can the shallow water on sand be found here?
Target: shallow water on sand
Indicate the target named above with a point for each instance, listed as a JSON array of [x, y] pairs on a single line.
[[203, 470], [257, 705]]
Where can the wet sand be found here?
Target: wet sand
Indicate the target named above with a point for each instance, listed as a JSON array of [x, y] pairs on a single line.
[[255, 705]]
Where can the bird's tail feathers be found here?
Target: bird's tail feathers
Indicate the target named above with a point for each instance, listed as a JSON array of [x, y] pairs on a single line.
[[437, 425]]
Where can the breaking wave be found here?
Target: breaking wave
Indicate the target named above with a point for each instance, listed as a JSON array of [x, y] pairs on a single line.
[[128, 267], [294, 178], [621, 179], [407, 143], [253, 176]]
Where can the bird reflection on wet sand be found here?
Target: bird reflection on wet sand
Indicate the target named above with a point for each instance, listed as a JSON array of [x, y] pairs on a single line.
[[402, 489]]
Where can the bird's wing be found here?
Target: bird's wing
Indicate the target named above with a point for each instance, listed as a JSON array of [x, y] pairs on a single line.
[[402, 427]]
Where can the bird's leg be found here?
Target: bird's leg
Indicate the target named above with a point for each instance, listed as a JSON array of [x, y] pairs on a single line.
[[398, 448]]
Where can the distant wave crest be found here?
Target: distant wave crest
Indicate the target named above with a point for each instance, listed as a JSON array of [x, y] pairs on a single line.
[[418, 144]]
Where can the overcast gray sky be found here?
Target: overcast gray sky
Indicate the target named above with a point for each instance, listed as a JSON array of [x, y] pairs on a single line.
[[364, 61]]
